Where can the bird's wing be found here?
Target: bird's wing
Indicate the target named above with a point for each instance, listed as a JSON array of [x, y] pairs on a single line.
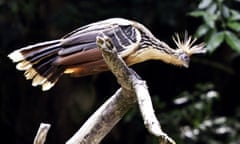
[[80, 46]]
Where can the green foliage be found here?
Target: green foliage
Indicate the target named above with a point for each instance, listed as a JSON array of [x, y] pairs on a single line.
[[193, 117], [190, 118], [232, 40], [221, 23]]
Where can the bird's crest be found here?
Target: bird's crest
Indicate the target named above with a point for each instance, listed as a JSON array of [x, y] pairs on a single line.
[[187, 44]]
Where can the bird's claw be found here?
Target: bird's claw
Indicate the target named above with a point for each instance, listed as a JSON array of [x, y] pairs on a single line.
[[104, 42]]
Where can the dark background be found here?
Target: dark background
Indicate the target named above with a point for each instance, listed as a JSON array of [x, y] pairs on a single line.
[[72, 101]]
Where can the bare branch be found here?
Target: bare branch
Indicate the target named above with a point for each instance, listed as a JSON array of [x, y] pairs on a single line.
[[147, 111], [42, 133], [103, 120]]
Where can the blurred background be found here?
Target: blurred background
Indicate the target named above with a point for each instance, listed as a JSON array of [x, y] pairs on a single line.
[[198, 105]]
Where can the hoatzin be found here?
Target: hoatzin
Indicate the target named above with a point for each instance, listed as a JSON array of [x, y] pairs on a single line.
[[77, 53]]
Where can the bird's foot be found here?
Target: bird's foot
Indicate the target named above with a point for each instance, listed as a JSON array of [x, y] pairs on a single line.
[[104, 42]]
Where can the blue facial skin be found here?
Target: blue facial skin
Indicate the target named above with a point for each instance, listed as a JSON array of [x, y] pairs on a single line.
[[185, 58]]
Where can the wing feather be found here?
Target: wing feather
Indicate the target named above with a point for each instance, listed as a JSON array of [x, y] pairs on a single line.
[[122, 37], [79, 57], [77, 48], [80, 46]]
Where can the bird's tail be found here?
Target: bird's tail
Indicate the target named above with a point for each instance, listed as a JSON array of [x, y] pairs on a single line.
[[38, 63]]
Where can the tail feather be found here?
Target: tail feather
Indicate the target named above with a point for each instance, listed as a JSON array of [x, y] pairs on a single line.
[[23, 53], [40, 54], [38, 63]]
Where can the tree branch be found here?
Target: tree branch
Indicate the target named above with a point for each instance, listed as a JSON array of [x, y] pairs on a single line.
[[115, 63], [133, 89], [147, 111], [104, 119], [42, 133], [131, 81]]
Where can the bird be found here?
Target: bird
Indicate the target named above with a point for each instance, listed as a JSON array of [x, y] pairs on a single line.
[[77, 53]]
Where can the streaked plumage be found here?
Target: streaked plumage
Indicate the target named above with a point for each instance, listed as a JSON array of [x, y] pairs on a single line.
[[77, 54]]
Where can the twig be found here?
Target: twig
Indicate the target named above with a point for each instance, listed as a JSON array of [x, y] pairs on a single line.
[[147, 111], [41, 133]]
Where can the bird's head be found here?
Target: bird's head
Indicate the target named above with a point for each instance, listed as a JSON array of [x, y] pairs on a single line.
[[186, 48]]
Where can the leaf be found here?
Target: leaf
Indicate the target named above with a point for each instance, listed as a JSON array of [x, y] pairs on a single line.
[[235, 15], [233, 41], [197, 13], [234, 25], [212, 8], [210, 19], [204, 4], [202, 30], [209, 34], [215, 41], [225, 11]]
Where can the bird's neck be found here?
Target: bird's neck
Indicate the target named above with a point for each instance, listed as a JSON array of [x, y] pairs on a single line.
[[151, 53], [153, 49]]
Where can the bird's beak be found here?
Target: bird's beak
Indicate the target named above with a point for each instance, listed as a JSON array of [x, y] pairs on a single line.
[[186, 64]]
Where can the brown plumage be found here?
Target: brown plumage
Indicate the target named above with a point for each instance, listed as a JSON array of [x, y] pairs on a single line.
[[77, 53]]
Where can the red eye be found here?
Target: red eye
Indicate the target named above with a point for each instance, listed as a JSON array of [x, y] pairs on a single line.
[[185, 57]]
